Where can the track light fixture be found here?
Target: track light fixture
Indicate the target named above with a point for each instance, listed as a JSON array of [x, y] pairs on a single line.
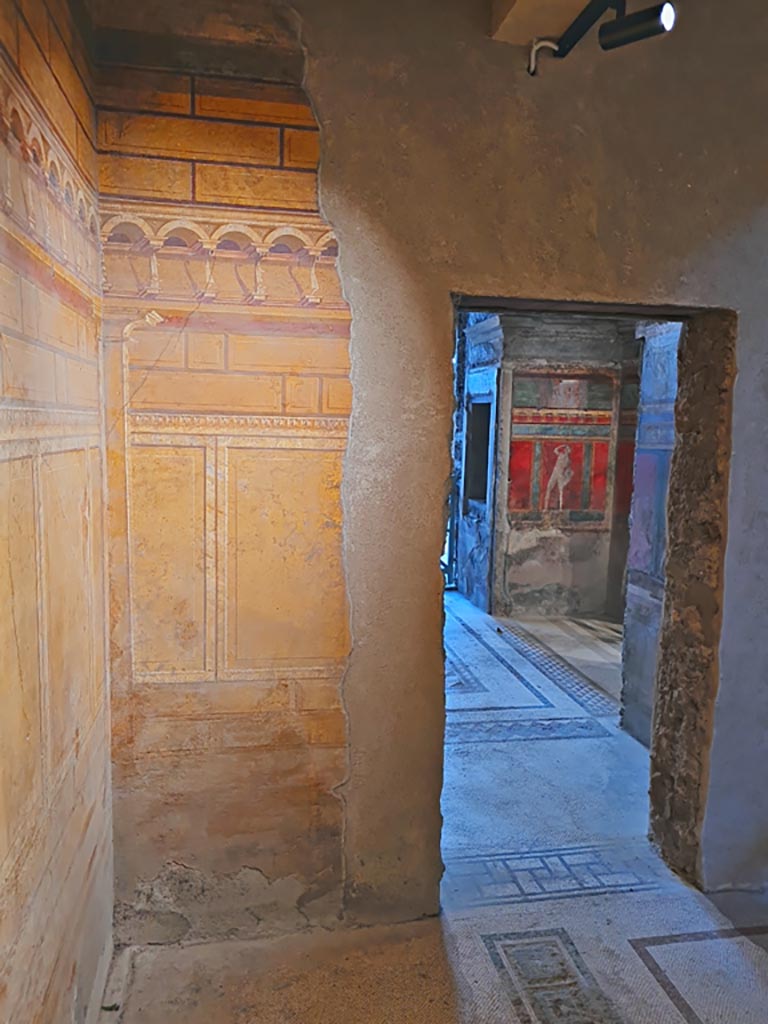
[[653, 21], [622, 30]]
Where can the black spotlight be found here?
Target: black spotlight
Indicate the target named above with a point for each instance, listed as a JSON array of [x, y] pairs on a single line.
[[653, 21], [625, 28]]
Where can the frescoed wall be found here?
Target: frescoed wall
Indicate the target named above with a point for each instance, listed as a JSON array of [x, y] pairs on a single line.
[[623, 481], [226, 340], [564, 465], [560, 448], [648, 526], [55, 796]]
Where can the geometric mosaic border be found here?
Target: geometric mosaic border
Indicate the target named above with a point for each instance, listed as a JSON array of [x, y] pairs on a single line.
[[476, 635], [568, 679], [516, 730], [537, 876], [467, 681], [643, 949]]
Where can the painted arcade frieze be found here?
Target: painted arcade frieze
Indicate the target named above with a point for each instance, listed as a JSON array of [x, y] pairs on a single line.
[[44, 195], [257, 259]]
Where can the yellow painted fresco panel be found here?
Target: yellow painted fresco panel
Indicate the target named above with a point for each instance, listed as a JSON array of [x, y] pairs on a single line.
[[206, 351], [337, 396], [285, 597], [82, 384], [55, 807], [36, 15], [227, 591], [88, 337], [251, 101], [65, 71], [98, 568], [302, 395], [10, 298], [301, 149], [39, 77], [294, 355], [167, 541], [62, 19], [28, 371], [66, 592], [87, 157], [156, 348], [8, 19], [20, 765], [205, 392], [132, 89], [47, 319]]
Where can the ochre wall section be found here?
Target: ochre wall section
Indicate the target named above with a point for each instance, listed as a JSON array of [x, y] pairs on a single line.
[[55, 798], [226, 339]]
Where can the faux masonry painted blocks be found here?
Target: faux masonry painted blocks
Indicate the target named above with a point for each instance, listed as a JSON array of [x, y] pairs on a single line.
[[222, 141]]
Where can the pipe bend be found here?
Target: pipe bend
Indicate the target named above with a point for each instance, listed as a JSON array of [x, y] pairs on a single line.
[[536, 46]]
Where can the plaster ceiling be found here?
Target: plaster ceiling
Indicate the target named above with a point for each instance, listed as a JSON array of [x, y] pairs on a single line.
[[244, 22], [520, 21]]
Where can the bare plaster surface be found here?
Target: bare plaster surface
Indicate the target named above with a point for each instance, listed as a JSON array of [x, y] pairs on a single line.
[[630, 177]]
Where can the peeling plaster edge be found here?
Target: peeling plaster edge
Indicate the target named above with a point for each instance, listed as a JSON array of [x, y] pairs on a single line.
[[685, 854], [339, 789], [729, 325]]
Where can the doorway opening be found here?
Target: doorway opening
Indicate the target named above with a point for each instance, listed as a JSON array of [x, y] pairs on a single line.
[[583, 439]]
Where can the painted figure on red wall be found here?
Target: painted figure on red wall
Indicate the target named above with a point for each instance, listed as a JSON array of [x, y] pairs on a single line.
[[561, 474]]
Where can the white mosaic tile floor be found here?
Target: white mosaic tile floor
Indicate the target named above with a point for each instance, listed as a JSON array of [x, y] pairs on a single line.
[[547, 861]]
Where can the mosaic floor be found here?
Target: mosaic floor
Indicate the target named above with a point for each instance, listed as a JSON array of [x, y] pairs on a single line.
[[547, 863], [591, 646], [556, 908]]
